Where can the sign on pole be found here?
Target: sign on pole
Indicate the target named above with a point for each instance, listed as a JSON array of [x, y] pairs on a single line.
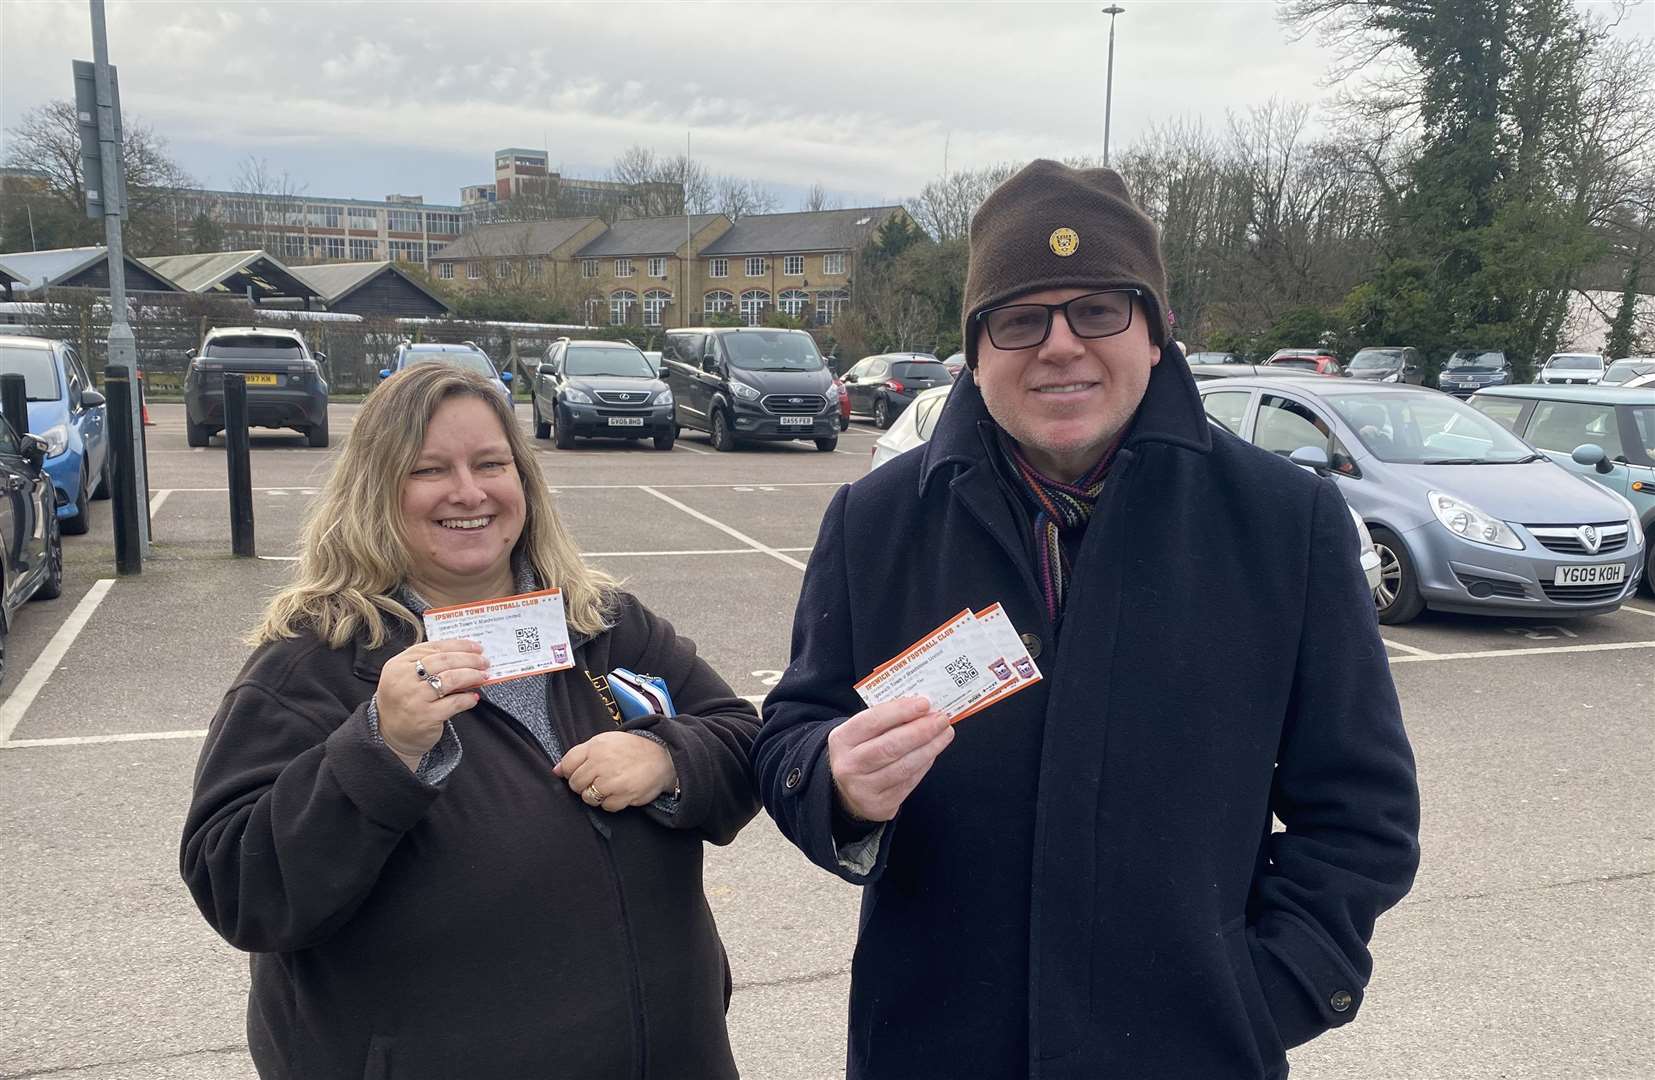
[[102, 195]]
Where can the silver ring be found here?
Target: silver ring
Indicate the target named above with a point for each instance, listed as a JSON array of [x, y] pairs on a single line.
[[419, 669], [435, 682]]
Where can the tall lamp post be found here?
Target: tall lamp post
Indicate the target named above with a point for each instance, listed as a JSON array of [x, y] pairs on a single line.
[[1109, 85]]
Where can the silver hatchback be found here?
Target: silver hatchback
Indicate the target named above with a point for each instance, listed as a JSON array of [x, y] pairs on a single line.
[[1465, 515]]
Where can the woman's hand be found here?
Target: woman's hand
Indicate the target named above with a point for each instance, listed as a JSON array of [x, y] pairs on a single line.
[[618, 769], [422, 688]]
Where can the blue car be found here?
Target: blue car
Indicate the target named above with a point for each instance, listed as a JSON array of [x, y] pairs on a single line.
[[467, 356], [71, 417]]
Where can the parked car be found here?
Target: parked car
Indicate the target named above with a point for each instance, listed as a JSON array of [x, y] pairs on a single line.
[[882, 386], [1466, 516], [1623, 371], [1231, 369], [604, 389], [750, 383], [1605, 434], [914, 427], [654, 358], [285, 383], [955, 364], [466, 355], [1574, 369], [1639, 382], [1400, 364], [71, 417], [31, 542], [1209, 357], [1469, 370], [1313, 361], [844, 403]]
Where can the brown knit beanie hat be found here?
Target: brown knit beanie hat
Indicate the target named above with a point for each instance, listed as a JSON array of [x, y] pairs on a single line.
[[1053, 227]]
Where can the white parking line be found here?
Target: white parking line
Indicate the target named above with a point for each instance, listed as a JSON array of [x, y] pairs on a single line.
[[94, 740], [1409, 649], [720, 526], [1639, 610], [156, 499], [693, 450], [1488, 654], [44, 664]]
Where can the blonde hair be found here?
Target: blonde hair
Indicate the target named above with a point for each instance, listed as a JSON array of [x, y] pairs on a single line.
[[354, 550]]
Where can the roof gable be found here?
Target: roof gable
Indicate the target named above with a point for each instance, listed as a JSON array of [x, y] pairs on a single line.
[[805, 230], [509, 239], [646, 236]]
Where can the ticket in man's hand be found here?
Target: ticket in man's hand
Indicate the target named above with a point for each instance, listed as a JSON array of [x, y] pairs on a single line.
[[963, 666], [521, 635]]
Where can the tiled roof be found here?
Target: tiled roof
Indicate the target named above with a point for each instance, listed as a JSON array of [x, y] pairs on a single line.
[[645, 236], [807, 230], [506, 239]]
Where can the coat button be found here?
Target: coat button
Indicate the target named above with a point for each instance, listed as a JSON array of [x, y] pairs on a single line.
[[793, 778], [1032, 644], [1340, 1001]]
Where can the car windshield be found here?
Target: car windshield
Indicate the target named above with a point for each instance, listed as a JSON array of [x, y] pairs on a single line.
[[1472, 358], [38, 369], [1427, 429], [1306, 362], [254, 347], [1575, 362], [1622, 370], [920, 369], [590, 360], [469, 359], [773, 350], [1368, 359]]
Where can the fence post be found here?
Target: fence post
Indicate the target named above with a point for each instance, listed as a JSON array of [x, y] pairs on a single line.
[[129, 539], [236, 453]]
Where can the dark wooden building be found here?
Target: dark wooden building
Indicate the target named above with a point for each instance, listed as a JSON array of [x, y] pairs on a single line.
[[372, 290]]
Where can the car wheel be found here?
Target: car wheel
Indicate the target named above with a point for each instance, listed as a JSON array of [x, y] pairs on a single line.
[[882, 414], [665, 440], [78, 524], [1649, 561], [724, 440], [563, 435], [317, 435], [1397, 598], [52, 587], [542, 430], [197, 434], [106, 478], [828, 445]]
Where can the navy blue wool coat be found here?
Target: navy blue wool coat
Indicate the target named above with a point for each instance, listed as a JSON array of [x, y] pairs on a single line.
[[1087, 884]]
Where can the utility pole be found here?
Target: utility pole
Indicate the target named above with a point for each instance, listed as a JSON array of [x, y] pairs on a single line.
[[1109, 85]]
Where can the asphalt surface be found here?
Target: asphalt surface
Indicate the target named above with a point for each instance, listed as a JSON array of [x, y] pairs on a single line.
[[1523, 952]]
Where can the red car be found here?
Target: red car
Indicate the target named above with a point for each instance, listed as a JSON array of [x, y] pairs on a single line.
[[1311, 361], [844, 403]]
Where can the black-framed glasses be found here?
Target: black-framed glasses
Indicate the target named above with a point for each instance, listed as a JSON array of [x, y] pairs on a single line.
[[1095, 315]]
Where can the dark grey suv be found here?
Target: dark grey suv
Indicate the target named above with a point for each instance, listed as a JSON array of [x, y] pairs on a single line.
[[751, 383], [285, 387], [606, 389]]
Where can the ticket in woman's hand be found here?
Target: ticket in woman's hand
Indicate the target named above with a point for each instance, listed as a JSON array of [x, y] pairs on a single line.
[[521, 635], [968, 663]]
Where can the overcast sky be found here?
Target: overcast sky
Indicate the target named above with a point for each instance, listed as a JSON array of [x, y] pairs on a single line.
[[364, 99]]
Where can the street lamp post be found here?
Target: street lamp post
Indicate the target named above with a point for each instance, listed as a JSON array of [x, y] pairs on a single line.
[[1109, 85]]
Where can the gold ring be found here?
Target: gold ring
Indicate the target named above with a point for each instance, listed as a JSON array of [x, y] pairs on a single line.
[[593, 795]]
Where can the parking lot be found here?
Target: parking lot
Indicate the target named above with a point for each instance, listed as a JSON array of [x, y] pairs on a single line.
[[1524, 950]]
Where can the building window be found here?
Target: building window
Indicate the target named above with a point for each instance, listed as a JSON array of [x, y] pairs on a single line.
[[333, 247], [793, 266], [363, 217], [623, 268], [445, 271], [293, 245], [717, 301], [655, 302], [473, 271], [534, 268], [588, 268], [756, 266], [403, 221], [620, 306], [793, 302], [594, 305], [502, 267], [658, 267], [834, 263], [753, 303], [448, 224], [718, 267], [407, 251], [363, 249], [332, 217], [829, 303]]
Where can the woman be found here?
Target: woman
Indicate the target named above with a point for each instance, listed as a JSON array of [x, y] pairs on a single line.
[[439, 878]]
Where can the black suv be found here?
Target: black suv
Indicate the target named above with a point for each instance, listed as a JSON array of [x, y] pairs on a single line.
[[1470, 370], [600, 388], [285, 387], [751, 383]]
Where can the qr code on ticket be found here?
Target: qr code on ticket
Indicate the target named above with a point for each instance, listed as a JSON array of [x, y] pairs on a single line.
[[528, 639], [962, 670]]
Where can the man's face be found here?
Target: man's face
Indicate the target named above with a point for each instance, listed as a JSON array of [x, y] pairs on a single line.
[[1066, 399]]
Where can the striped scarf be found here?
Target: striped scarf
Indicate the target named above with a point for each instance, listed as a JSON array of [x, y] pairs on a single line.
[[1060, 506]]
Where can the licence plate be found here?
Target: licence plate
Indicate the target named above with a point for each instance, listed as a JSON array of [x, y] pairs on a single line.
[[260, 380], [626, 421], [797, 421], [1610, 574]]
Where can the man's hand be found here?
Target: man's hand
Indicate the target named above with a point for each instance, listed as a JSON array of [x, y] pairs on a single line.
[[881, 754], [618, 769]]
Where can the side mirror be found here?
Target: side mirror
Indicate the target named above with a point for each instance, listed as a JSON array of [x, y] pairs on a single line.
[[321, 357], [505, 377], [709, 363], [1311, 457], [34, 450], [1594, 456], [91, 399], [384, 373]]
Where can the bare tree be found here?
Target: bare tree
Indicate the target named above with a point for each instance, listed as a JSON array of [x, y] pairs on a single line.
[[735, 198], [817, 198], [270, 205], [662, 186], [944, 207]]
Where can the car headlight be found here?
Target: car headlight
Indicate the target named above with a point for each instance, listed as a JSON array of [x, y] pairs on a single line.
[[663, 396], [1395, 376], [1463, 519], [576, 397], [57, 439], [743, 391]]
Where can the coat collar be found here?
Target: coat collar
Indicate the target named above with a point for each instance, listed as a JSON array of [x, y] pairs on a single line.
[[1170, 413]]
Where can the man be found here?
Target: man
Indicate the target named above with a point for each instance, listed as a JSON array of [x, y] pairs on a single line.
[[1081, 881]]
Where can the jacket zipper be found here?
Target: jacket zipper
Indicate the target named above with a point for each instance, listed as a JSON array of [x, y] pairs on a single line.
[[634, 991]]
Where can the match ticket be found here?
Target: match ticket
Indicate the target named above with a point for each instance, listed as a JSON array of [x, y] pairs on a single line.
[[521, 635], [963, 666]]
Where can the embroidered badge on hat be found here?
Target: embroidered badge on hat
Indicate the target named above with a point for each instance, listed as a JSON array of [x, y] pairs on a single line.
[[1065, 242]]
